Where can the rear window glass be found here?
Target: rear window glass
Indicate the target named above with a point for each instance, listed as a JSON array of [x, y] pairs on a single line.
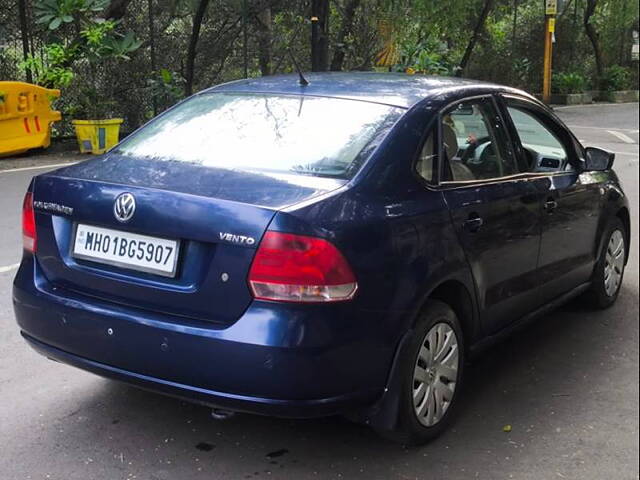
[[294, 134]]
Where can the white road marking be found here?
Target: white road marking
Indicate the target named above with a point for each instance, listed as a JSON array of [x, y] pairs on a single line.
[[606, 129], [621, 136], [633, 154], [8, 268], [589, 105], [24, 169]]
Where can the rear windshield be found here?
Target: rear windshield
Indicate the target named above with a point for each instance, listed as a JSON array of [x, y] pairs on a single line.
[[294, 134]]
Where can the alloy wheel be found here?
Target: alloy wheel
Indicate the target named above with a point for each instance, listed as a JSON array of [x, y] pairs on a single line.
[[614, 263], [435, 374]]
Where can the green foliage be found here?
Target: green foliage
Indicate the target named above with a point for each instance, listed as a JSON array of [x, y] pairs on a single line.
[[55, 13], [427, 57], [616, 78], [566, 83], [91, 104], [103, 41], [121, 46], [49, 69], [96, 33], [522, 70], [166, 87], [92, 42], [104, 65]]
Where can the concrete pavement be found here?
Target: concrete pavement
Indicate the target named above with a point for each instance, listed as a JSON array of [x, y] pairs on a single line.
[[568, 386]]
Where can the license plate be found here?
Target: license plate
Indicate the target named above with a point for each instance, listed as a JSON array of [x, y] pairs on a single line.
[[127, 250]]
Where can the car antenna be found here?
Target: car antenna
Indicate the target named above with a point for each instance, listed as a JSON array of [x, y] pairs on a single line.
[[301, 80]]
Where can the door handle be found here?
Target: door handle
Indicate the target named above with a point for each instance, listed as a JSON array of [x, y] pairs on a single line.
[[550, 205], [473, 224]]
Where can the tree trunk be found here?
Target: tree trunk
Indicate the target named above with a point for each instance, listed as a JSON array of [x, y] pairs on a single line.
[[24, 33], [265, 40], [152, 49], [319, 35], [345, 30], [574, 23], [593, 37], [245, 39], [514, 28], [116, 9], [193, 46], [488, 5], [514, 42]]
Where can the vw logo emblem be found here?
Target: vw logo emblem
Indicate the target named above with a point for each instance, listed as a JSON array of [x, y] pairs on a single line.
[[124, 207]]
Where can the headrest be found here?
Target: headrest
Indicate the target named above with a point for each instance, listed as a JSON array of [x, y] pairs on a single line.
[[450, 141]]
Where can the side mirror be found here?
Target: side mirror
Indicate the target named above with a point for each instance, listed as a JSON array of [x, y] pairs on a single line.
[[598, 159]]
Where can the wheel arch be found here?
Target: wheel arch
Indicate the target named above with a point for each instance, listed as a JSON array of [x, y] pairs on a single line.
[[625, 218], [455, 294]]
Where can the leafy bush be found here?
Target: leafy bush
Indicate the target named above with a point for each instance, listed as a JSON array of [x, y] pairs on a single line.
[[427, 57], [49, 69], [616, 78], [566, 83], [92, 43], [166, 88]]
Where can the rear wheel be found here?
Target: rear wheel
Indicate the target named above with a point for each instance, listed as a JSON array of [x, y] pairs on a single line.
[[609, 271], [431, 376]]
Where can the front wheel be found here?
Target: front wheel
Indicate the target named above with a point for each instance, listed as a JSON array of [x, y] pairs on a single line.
[[609, 270], [431, 376]]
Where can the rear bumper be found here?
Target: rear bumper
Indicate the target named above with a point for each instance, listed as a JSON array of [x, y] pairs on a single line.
[[277, 359], [263, 406]]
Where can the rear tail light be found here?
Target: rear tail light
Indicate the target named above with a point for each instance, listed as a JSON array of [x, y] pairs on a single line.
[[297, 268], [28, 224]]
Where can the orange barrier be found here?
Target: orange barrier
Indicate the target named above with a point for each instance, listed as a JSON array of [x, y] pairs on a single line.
[[25, 117]]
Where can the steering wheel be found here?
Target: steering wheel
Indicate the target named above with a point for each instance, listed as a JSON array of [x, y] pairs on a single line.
[[470, 151]]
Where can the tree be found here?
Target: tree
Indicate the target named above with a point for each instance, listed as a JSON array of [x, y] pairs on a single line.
[[345, 29], [193, 46], [264, 29], [593, 36], [80, 45], [488, 4], [319, 35], [152, 48], [24, 34]]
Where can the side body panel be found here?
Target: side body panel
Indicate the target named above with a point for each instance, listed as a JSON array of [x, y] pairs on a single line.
[[503, 252], [570, 232], [572, 208]]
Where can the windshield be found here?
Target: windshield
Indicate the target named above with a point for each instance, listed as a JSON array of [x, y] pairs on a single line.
[[295, 134]]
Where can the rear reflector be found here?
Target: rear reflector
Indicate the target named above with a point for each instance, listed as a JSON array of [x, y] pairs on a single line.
[[297, 268], [28, 224]]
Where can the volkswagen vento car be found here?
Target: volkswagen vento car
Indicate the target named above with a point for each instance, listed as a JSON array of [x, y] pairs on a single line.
[[340, 247]]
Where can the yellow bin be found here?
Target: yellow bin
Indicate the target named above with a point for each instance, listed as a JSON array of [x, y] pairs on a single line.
[[97, 136], [25, 117]]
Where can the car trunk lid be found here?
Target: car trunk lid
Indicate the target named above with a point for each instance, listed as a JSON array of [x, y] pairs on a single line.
[[217, 216]]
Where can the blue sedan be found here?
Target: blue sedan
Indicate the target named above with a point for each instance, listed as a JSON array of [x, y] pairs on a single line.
[[336, 247]]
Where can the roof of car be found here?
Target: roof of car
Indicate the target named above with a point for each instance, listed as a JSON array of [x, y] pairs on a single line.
[[398, 89]]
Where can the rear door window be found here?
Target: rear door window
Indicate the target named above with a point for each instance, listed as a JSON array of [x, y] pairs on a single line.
[[427, 165], [474, 143]]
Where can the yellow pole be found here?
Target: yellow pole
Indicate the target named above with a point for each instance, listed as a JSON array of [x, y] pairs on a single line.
[[549, 28]]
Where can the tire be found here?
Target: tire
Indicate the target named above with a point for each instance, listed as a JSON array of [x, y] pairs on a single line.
[[609, 270], [437, 321]]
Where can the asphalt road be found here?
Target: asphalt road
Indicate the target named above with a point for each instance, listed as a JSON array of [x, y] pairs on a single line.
[[567, 385]]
